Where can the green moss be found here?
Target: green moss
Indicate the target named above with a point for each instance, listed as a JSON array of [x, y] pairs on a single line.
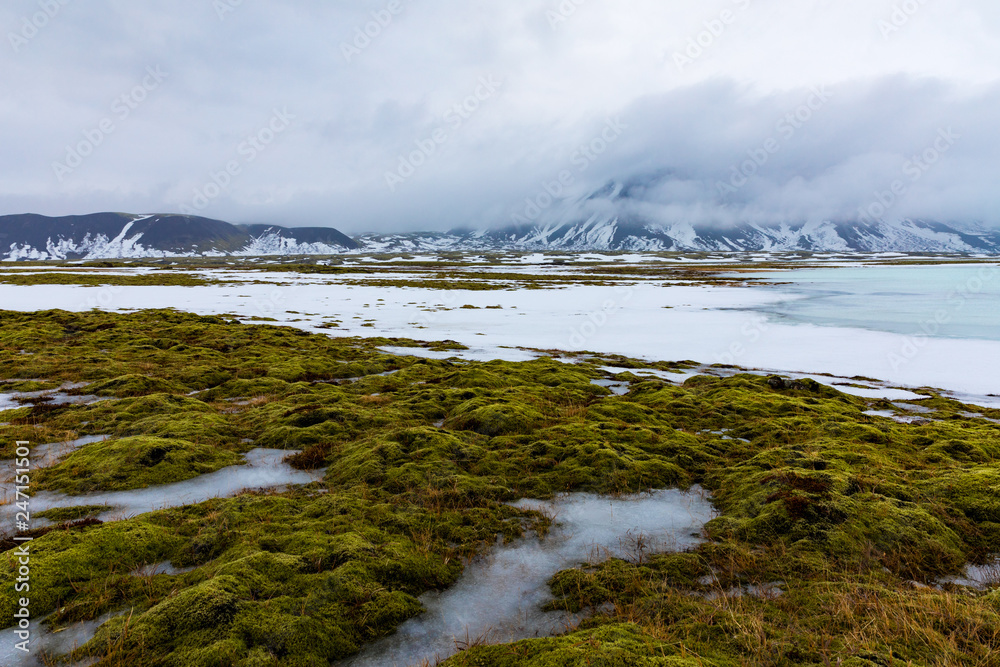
[[132, 463], [90, 279], [31, 425], [75, 568], [493, 417], [302, 578], [843, 508], [133, 385], [610, 646], [27, 386], [60, 514]]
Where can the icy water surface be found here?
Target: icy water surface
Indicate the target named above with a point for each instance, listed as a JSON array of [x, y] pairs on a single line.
[[862, 388], [978, 576], [7, 402], [20, 399], [499, 597], [46, 642], [469, 354], [949, 301], [44, 456], [616, 388], [265, 468]]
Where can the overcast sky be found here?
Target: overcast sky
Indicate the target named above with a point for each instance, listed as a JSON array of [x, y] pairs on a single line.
[[454, 112]]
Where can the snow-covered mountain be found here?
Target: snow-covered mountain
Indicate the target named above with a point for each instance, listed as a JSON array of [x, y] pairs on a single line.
[[604, 220], [624, 216], [120, 235], [615, 234], [618, 234]]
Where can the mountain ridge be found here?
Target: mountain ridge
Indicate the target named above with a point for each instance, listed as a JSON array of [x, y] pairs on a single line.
[[577, 228], [118, 235], [614, 234]]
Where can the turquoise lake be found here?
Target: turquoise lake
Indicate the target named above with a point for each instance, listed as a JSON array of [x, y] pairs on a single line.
[[950, 301]]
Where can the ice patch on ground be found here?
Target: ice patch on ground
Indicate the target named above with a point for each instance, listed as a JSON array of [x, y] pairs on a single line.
[[165, 567], [769, 591], [850, 386], [653, 372], [651, 322], [470, 354], [978, 576], [20, 399], [989, 401], [887, 393], [500, 596], [616, 388], [265, 469], [889, 414], [44, 641], [44, 456]]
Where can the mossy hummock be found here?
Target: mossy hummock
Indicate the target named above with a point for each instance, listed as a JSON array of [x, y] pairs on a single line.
[[853, 518]]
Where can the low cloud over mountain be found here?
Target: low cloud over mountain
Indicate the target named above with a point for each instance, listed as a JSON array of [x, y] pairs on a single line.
[[802, 113]]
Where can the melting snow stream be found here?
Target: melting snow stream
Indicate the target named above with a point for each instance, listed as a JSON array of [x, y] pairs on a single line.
[[499, 597], [264, 468]]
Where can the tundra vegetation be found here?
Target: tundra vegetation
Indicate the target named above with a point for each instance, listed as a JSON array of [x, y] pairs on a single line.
[[833, 530], [467, 271]]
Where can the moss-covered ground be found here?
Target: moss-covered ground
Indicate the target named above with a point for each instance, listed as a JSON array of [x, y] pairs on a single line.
[[131, 463], [853, 518], [467, 271], [94, 279]]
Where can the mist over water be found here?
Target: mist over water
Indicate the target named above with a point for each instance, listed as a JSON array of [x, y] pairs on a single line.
[[499, 597]]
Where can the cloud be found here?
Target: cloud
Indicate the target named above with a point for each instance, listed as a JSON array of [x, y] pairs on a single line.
[[366, 86], [897, 147]]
